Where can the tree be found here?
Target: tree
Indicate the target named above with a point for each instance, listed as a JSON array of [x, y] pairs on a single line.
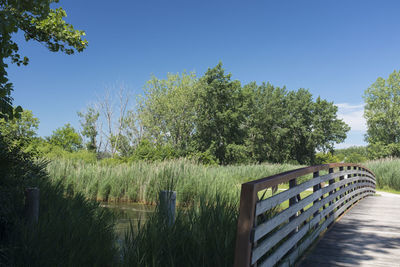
[[266, 123], [328, 129], [167, 110], [20, 131], [67, 138], [114, 125], [40, 23], [289, 126], [219, 113], [382, 112], [89, 121]]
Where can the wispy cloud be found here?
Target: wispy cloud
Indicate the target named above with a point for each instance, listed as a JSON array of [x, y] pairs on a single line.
[[353, 116]]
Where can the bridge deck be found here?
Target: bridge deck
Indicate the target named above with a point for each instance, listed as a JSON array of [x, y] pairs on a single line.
[[368, 235]]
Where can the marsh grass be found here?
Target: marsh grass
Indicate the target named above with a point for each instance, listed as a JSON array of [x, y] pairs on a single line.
[[141, 181], [71, 231], [387, 172], [203, 235]]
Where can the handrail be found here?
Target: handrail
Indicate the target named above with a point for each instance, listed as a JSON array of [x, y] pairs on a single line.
[[268, 235]]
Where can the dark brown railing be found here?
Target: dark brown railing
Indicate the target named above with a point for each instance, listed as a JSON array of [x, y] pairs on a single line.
[[269, 234]]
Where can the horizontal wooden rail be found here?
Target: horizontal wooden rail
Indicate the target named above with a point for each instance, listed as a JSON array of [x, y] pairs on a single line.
[[269, 234]]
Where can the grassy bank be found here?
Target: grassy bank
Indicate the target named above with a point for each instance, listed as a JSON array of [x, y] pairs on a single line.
[[203, 235], [205, 228], [141, 181], [387, 172], [70, 231]]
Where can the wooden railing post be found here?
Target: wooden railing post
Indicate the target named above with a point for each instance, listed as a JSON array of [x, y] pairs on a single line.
[[246, 221], [315, 189], [331, 181], [341, 178], [293, 200], [347, 184], [167, 205], [355, 182], [283, 236]]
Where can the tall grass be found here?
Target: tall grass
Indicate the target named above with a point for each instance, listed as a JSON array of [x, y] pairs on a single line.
[[141, 181], [202, 235], [387, 172], [71, 231]]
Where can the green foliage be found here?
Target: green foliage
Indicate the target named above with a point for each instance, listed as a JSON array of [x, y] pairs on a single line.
[[289, 126], [327, 128], [214, 119], [387, 172], [203, 235], [237, 154], [267, 133], [207, 157], [114, 179], [67, 138], [89, 127], [355, 158], [40, 23], [148, 151], [167, 112], [354, 154], [70, 232], [51, 152], [324, 158], [17, 171], [219, 113], [382, 112], [20, 131]]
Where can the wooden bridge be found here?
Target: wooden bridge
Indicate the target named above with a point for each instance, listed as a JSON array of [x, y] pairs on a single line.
[[300, 226]]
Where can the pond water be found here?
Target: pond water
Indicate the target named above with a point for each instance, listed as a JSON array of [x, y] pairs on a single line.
[[128, 212]]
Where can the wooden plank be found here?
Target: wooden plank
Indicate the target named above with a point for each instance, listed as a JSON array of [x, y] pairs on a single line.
[[273, 201], [248, 199], [291, 258], [283, 216], [247, 215], [268, 226], [268, 243], [274, 239], [365, 235], [285, 177]]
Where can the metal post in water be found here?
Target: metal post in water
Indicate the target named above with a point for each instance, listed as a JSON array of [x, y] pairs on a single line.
[[32, 204], [167, 205]]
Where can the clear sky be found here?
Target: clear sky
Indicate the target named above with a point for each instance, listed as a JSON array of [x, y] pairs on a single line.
[[336, 49]]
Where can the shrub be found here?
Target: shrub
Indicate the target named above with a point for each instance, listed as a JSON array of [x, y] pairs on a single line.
[[71, 231], [324, 158]]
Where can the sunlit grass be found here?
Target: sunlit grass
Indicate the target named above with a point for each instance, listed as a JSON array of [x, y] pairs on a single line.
[[141, 181], [387, 172]]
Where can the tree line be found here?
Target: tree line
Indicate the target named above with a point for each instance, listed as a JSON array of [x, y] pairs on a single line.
[[212, 118]]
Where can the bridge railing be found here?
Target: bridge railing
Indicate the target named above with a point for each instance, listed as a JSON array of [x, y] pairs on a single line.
[[276, 230]]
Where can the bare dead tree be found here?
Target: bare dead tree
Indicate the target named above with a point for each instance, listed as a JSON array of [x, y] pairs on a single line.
[[114, 122]]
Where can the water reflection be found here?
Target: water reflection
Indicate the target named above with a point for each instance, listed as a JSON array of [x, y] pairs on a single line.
[[126, 212]]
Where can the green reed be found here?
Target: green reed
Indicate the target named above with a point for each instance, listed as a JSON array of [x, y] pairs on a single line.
[[387, 172], [141, 181]]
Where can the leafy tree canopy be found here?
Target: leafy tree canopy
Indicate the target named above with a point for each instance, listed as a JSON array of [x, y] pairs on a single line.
[[167, 112], [39, 22], [382, 112], [89, 127], [66, 137], [216, 119], [20, 131]]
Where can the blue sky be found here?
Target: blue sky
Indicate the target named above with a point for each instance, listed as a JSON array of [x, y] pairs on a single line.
[[336, 49]]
